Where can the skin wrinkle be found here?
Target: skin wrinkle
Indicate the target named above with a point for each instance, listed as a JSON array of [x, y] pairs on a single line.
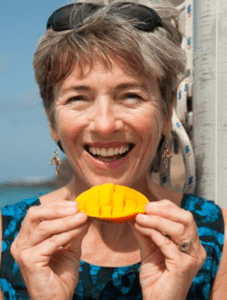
[[144, 53], [81, 74], [98, 115], [103, 101]]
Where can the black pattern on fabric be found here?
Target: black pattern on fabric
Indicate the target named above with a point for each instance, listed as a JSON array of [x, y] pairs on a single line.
[[122, 283]]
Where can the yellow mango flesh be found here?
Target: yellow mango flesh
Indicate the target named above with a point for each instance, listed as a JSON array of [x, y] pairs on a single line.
[[111, 202]]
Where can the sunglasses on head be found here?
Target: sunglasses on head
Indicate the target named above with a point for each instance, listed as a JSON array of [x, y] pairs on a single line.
[[148, 19]]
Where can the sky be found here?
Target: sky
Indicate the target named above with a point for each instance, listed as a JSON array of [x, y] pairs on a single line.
[[22, 23], [25, 144]]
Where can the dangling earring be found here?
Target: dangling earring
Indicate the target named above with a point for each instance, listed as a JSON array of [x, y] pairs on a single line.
[[166, 154], [56, 161]]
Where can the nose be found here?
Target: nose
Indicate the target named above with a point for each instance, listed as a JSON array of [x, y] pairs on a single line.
[[105, 120]]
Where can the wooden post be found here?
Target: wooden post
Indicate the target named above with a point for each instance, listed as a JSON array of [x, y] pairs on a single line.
[[210, 99]]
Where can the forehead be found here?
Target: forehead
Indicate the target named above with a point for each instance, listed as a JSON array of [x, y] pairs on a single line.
[[112, 72]]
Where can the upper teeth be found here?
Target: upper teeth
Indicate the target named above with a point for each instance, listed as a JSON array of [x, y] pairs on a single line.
[[108, 151]]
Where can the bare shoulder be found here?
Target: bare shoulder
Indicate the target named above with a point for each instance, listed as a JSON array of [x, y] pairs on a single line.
[[61, 194], [0, 237], [219, 289], [54, 196]]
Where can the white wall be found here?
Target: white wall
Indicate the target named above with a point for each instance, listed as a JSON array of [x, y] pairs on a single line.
[[210, 99]]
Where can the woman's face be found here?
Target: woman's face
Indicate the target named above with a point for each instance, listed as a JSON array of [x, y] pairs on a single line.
[[109, 123]]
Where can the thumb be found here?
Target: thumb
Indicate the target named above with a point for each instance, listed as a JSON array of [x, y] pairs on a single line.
[[74, 246], [145, 242]]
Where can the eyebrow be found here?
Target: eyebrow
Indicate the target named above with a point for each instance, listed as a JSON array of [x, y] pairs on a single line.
[[128, 85], [77, 88], [122, 86]]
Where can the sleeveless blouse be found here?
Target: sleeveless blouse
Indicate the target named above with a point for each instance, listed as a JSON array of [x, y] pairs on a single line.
[[96, 282]]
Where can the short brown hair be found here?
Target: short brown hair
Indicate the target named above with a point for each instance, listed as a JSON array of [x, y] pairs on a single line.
[[102, 35]]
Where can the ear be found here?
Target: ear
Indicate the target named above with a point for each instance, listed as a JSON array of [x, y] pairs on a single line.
[[54, 133], [52, 127], [167, 121]]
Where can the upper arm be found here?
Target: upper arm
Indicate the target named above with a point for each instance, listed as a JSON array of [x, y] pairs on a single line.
[[219, 290], [1, 295]]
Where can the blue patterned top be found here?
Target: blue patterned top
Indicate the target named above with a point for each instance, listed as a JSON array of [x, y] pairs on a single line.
[[97, 282]]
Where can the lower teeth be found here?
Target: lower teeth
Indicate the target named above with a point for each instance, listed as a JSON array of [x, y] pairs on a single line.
[[109, 158]]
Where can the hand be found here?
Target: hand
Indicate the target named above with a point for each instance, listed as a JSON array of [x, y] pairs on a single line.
[[166, 272], [48, 249]]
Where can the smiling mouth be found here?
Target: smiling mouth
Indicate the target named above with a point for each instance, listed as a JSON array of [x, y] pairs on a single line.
[[109, 154]]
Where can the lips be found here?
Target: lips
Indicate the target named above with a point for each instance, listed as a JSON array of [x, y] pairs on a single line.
[[111, 153]]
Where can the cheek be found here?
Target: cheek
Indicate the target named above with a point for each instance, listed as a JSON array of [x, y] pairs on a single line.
[[69, 125], [150, 122]]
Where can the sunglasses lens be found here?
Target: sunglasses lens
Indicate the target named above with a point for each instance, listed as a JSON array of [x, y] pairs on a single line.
[[61, 19], [148, 19]]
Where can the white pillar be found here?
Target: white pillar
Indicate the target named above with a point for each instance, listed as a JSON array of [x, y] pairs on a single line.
[[210, 99]]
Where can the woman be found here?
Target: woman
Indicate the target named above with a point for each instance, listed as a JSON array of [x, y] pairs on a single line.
[[108, 75]]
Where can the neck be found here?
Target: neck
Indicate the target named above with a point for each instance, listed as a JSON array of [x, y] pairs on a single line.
[[77, 186], [112, 245], [112, 234], [150, 189]]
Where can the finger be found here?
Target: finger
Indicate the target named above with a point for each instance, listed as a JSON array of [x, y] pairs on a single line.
[[167, 209], [47, 229], [73, 237], [194, 250], [51, 211], [172, 212], [190, 260], [146, 245], [177, 231], [40, 252], [167, 247]]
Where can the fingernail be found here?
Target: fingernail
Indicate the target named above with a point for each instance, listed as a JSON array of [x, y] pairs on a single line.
[[80, 216], [141, 216], [71, 203], [154, 203], [151, 205]]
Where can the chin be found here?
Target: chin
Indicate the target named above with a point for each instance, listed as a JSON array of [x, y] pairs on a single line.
[[114, 180]]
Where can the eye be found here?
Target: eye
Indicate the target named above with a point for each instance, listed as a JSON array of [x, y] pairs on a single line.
[[77, 98], [132, 96]]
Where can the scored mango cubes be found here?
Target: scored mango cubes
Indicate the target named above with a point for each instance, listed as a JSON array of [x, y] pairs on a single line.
[[114, 203]]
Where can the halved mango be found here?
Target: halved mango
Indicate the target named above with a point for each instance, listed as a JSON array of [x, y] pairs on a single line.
[[114, 203]]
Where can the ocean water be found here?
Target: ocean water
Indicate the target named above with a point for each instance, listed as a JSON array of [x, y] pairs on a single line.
[[15, 193]]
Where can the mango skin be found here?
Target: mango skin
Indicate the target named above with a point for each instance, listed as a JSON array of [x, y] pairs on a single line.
[[112, 203]]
